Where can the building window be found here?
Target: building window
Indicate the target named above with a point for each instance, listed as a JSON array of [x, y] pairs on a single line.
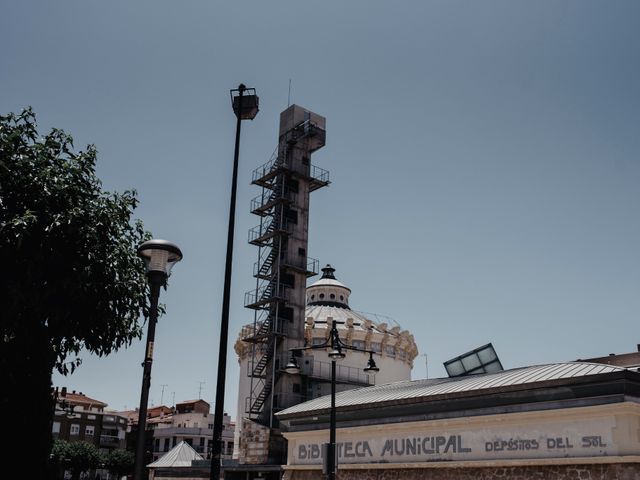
[[358, 344], [91, 417], [318, 340], [376, 347], [229, 448], [88, 431], [56, 427], [166, 445], [75, 429], [390, 351], [210, 426]]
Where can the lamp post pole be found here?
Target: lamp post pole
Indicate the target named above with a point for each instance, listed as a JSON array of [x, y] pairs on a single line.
[[159, 256], [332, 425], [245, 107], [155, 280], [336, 352]]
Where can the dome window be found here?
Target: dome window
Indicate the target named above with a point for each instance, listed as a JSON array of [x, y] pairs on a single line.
[[342, 298], [321, 296], [332, 296], [313, 297]]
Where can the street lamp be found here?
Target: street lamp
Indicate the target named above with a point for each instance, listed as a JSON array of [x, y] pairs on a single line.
[[159, 257], [245, 106], [335, 353]]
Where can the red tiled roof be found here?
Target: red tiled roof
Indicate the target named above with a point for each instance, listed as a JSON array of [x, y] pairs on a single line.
[[81, 399], [186, 402]]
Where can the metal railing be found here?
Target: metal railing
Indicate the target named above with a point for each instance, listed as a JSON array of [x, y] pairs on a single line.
[[267, 229], [265, 294], [110, 440], [344, 373], [317, 174], [269, 197]]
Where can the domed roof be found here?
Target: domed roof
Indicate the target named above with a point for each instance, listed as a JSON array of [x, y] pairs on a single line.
[[328, 291], [328, 300]]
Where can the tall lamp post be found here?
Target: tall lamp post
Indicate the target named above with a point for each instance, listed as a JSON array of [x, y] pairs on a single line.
[[159, 256], [336, 347], [245, 106]]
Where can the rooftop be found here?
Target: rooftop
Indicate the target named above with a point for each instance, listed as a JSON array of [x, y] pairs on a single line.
[[179, 456], [442, 388]]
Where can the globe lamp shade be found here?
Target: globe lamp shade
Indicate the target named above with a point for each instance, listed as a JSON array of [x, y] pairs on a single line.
[[336, 353], [371, 365], [159, 255], [292, 366]]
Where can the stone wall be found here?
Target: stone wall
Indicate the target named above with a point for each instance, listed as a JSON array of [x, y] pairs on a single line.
[[551, 472], [254, 443]]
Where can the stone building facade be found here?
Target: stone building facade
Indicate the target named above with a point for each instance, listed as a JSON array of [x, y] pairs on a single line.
[[575, 420]]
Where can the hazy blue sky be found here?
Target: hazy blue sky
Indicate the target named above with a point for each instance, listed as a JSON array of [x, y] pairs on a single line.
[[484, 160]]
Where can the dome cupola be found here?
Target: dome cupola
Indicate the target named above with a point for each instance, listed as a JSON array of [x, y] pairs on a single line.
[[328, 291]]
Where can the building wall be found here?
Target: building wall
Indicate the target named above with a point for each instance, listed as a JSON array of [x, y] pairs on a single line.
[[195, 429], [397, 351], [108, 429], [630, 471], [590, 442]]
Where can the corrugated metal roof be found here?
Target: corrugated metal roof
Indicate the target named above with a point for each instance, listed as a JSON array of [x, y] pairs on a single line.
[[442, 386], [179, 456]]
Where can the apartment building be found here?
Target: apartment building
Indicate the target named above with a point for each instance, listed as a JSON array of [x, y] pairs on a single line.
[[191, 422], [79, 417]]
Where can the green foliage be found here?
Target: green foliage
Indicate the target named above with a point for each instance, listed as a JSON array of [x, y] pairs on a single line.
[[68, 249], [75, 456], [119, 462], [71, 278]]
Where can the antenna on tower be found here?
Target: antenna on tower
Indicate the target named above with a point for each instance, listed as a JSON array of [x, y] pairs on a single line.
[[200, 390], [162, 394], [426, 363], [289, 96]]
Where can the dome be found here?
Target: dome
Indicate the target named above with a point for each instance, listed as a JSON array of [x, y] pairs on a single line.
[[328, 300], [328, 291]]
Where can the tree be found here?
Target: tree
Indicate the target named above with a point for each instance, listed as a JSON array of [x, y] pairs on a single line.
[[71, 279], [77, 457], [119, 462]]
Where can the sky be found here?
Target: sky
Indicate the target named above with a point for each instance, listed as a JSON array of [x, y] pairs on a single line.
[[483, 159]]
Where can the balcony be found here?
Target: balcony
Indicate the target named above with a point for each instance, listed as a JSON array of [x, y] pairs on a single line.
[[261, 297], [264, 175], [111, 441]]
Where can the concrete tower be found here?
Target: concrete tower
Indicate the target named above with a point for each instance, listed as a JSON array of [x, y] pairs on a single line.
[[282, 267]]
